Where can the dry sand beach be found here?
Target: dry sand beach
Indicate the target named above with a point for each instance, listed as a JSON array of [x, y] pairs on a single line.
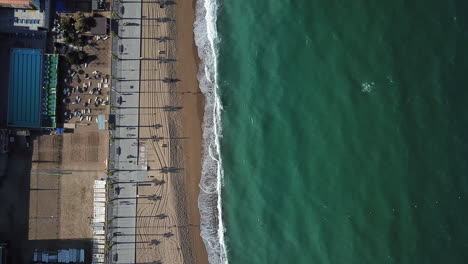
[[168, 220]]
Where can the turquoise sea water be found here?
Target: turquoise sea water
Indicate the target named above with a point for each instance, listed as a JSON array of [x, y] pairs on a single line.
[[345, 130]]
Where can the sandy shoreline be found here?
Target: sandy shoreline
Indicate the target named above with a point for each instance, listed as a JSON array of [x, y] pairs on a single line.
[[192, 118], [171, 115]]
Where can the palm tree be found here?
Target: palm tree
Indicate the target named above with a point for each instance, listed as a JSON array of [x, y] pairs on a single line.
[[114, 35], [115, 57], [115, 14]]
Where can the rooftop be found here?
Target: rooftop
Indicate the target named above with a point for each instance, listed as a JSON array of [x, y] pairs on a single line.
[[15, 3], [30, 19], [18, 19], [101, 26]]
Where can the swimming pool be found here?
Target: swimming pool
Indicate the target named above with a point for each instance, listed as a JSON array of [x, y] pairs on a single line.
[[24, 104]]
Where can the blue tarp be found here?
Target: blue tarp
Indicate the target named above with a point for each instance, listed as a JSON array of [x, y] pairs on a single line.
[[101, 122]]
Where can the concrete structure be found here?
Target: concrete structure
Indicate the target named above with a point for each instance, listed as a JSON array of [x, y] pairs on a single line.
[[61, 256], [3, 253], [98, 5], [101, 26], [3, 141], [30, 19], [21, 19], [99, 219], [125, 149], [27, 4]]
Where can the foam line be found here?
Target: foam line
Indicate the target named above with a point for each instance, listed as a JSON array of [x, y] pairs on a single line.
[[209, 201]]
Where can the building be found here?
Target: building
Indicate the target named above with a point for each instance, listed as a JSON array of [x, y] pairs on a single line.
[[33, 20], [26, 4], [67, 6], [3, 142], [24, 20], [98, 5], [32, 89], [71, 255], [101, 26], [3, 253], [21, 19]]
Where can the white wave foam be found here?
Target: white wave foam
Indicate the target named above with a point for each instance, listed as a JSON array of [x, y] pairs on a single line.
[[209, 201], [367, 87]]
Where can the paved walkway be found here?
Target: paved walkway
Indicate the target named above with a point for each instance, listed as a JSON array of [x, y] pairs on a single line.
[[124, 150]]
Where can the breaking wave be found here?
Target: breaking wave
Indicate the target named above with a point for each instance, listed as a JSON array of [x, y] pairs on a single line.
[[209, 201]]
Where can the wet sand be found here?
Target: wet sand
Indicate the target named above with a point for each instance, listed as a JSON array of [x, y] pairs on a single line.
[[191, 118]]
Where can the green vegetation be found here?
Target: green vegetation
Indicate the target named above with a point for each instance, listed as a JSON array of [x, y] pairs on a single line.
[[75, 57], [115, 14], [78, 15], [75, 39], [73, 26], [114, 35], [67, 24], [85, 24]]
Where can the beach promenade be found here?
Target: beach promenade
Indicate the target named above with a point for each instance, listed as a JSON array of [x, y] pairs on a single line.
[[156, 144], [126, 172]]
